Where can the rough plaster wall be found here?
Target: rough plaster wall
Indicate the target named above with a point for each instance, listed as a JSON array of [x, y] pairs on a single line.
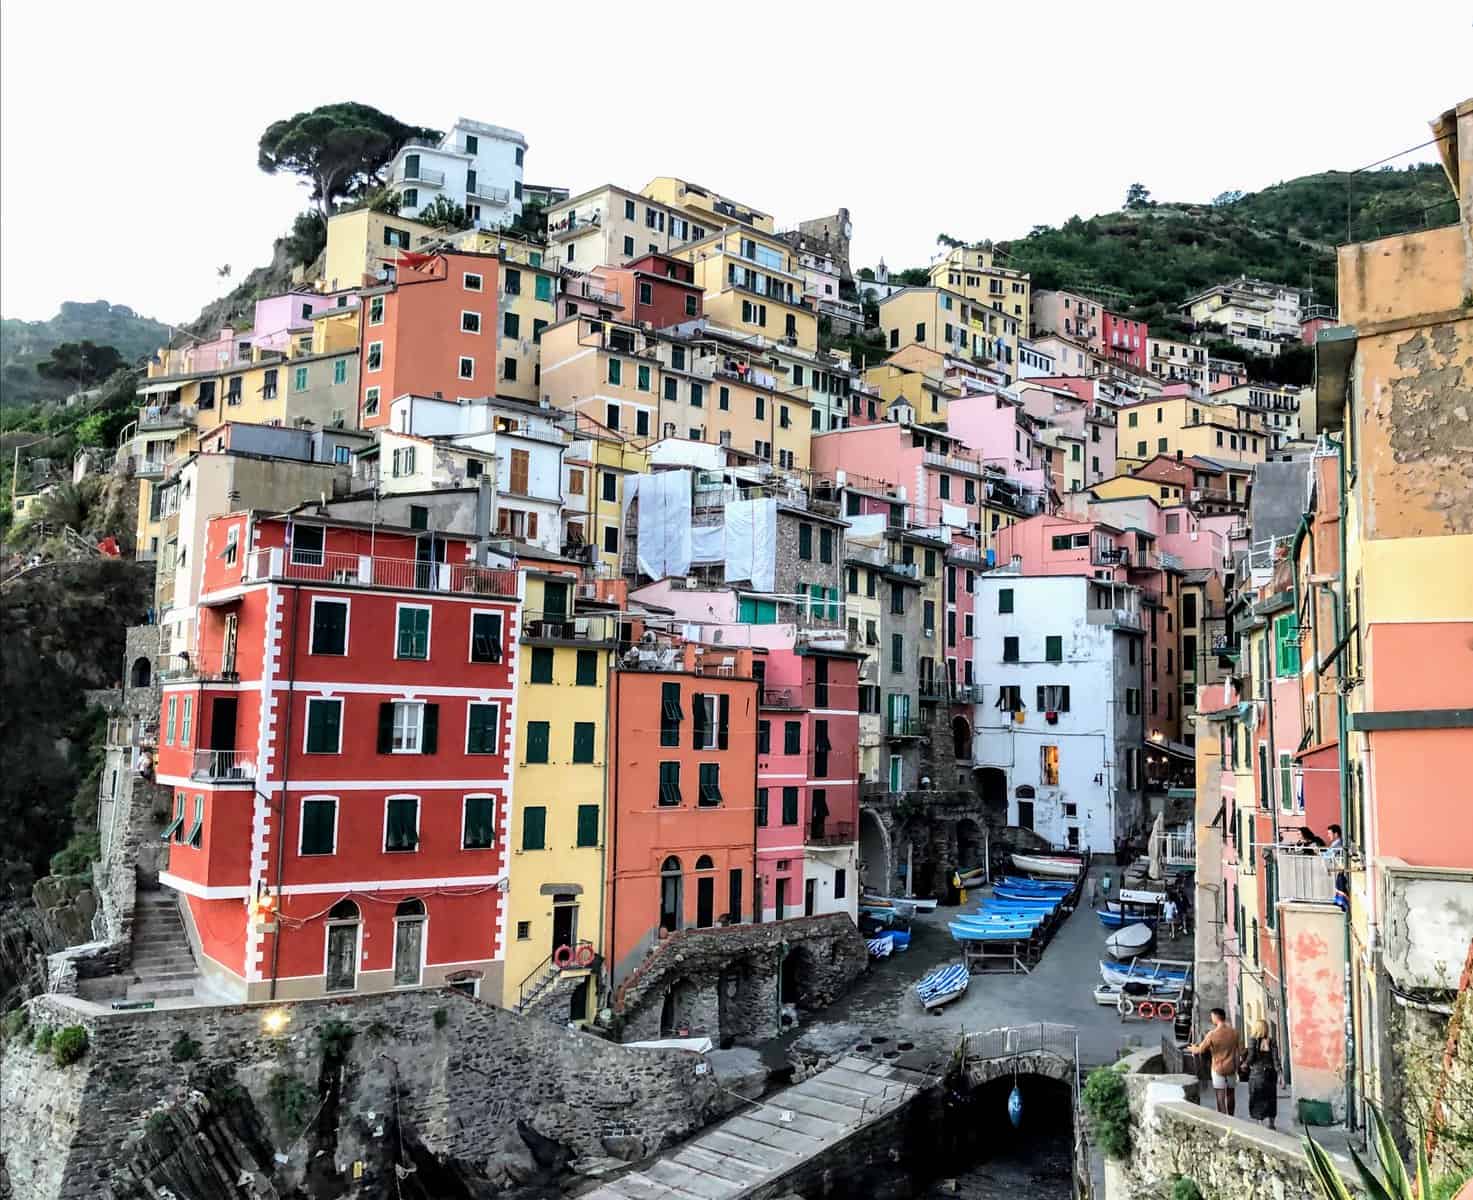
[[1417, 393], [1427, 926]]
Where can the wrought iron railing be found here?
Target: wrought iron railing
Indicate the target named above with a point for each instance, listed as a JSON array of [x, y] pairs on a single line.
[[223, 766]]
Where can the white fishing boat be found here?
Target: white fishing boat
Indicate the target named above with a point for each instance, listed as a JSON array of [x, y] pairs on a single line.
[[1130, 942], [942, 985], [917, 903], [1049, 865]]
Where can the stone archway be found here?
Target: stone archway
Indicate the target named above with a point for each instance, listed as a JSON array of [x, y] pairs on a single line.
[[678, 1009], [744, 1005], [141, 673], [961, 738], [992, 787], [876, 868], [798, 978]]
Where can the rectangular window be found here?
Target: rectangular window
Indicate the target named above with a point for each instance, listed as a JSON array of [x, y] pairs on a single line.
[[708, 713], [486, 637], [790, 806], [587, 825], [299, 379], [534, 827], [792, 737], [642, 377], [413, 632], [582, 741], [764, 737], [187, 721], [401, 824], [1048, 765], [587, 674], [826, 545], [478, 830], [1010, 649], [1053, 649], [483, 729], [324, 726], [537, 740], [805, 541], [669, 784], [370, 402], [897, 653], [340, 371], [319, 826], [710, 776], [761, 808], [1286, 644], [670, 714], [616, 371], [329, 626], [542, 664], [467, 367], [511, 324]]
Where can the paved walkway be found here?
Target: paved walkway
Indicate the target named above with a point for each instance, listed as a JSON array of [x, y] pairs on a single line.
[[768, 1139]]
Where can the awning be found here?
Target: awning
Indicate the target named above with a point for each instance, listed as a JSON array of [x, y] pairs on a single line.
[[154, 389], [1178, 750]]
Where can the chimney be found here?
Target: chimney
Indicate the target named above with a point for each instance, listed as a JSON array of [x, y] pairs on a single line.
[[485, 516]]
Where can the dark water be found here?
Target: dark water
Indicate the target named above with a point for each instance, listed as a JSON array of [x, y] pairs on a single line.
[[990, 1159]]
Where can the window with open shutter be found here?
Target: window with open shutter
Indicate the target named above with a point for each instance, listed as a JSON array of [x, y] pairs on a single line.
[[486, 637], [669, 784], [710, 775], [703, 722], [480, 823], [401, 830], [670, 714], [196, 830], [723, 721]]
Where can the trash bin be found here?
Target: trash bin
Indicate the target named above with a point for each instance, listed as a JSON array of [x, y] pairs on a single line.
[[1315, 1112]]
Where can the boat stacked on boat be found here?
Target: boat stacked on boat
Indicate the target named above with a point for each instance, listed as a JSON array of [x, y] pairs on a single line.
[[1052, 866], [1009, 929]]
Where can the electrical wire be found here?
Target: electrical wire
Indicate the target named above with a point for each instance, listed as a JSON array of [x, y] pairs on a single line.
[[1400, 153]]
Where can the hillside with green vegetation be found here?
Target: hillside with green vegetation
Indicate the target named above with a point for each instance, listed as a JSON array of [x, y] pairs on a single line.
[[26, 344], [1149, 257]]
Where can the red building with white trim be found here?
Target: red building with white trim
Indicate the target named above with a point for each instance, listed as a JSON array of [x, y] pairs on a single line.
[[1124, 340], [338, 744]]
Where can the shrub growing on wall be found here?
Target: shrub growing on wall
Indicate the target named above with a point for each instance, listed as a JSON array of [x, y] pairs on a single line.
[[68, 1045], [1105, 1101]]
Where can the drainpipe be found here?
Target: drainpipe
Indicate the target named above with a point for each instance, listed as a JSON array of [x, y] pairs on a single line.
[[286, 774], [1273, 811], [1342, 622]]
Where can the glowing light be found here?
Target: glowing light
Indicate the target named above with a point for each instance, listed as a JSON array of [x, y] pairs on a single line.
[[275, 1021]]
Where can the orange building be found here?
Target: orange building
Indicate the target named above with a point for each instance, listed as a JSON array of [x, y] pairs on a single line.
[[683, 818], [432, 332]]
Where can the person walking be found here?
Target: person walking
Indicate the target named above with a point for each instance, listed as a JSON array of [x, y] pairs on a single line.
[[1222, 1045], [1262, 1060]]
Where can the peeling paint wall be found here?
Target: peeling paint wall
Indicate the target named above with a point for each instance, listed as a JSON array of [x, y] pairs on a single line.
[[1314, 968]]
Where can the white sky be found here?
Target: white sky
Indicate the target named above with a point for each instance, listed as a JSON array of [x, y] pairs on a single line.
[[128, 131]]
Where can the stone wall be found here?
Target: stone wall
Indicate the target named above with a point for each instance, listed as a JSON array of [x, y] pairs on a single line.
[[459, 1073], [141, 642], [725, 983]]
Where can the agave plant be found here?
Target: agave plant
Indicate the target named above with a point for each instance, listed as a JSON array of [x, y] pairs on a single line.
[[1396, 1183]]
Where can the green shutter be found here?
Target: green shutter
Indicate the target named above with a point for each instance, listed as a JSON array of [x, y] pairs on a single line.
[[480, 830], [481, 738], [1004, 600], [402, 833], [588, 825], [414, 632], [1286, 780], [324, 720], [615, 370], [543, 288], [710, 783], [805, 541], [761, 808], [318, 817], [583, 741], [1053, 649], [669, 783], [587, 668], [537, 741], [670, 714], [534, 828], [542, 664]]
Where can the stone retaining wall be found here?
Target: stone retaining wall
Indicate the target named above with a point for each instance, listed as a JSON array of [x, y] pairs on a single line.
[[460, 1080]]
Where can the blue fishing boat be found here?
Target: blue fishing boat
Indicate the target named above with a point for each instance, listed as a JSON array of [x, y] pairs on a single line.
[[942, 985], [1023, 883], [996, 933], [1113, 918], [1144, 970]]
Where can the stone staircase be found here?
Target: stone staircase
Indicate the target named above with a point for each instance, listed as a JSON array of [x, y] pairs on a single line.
[[163, 964]]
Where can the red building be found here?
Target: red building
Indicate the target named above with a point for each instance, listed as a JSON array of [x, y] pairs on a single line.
[[338, 746], [432, 332], [684, 723], [1124, 340], [656, 289]]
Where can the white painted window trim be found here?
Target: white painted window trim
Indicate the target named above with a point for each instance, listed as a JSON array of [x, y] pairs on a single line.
[[418, 839], [469, 312], [368, 357], [470, 704], [467, 276], [460, 367], [371, 397], [424, 945], [382, 305], [357, 925], [429, 631], [347, 625], [419, 735], [302, 824], [465, 813], [307, 724]]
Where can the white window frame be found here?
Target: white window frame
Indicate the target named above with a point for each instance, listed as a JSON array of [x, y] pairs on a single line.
[[470, 704], [379, 301], [712, 733], [347, 623], [419, 728], [307, 723], [186, 721], [495, 817], [470, 637], [418, 837], [465, 281], [429, 630], [460, 367], [475, 316], [368, 360], [337, 809], [370, 401], [173, 709]]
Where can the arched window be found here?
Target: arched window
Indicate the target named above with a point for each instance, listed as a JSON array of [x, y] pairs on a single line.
[[704, 863], [142, 673], [410, 908], [672, 895], [1025, 791], [343, 910], [671, 866]]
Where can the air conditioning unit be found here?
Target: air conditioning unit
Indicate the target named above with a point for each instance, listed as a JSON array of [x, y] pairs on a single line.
[[1196, 495], [691, 582]]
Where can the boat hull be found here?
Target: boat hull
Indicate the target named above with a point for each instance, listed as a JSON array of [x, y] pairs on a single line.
[[1130, 943], [1054, 868]]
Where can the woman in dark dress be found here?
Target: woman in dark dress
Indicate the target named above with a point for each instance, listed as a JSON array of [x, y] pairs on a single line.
[[1262, 1060]]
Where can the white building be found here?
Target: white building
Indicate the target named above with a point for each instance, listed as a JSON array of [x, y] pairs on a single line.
[[433, 445], [1059, 662], [476, 166], [1035, 361]]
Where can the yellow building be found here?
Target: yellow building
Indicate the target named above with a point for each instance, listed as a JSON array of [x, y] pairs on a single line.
[[609, 226], [362, 242], [705, 206], [555, 894], [753, 284], [1176, 361], [527, 304], [1193, 426], [595, 467], [948, 323], [972, 271]]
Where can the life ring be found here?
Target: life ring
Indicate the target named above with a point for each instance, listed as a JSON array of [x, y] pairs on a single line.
[[1146, 1009], [1126, 1005], [1166, 1010], [562, 956], [584, 957]]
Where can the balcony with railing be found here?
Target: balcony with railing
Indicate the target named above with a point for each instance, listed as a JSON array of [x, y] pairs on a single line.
[[150, 468], [168, 416], [1177, 849], [371, 570], [171, 668], [591, 629], [823, 832], [1306, 875], [131, 731], [898, 728], [224, 766], [782, 697], [420, 175], [492, 195], [935, 689]]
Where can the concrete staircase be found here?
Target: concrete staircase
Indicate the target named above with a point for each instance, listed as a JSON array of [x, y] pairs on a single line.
[[163, 964]]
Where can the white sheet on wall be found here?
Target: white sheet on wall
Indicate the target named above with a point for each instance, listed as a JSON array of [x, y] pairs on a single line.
[[664, 524], [954, 515], [707, 543], [751, 542]]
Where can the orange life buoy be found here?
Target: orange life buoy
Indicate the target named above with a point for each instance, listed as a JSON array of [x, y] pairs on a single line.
[[562, 956], [584, 957], [1166, 1010], [1146, 1009]]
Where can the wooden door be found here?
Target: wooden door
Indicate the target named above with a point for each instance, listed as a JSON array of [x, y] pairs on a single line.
[[409, 934], [342, 957]]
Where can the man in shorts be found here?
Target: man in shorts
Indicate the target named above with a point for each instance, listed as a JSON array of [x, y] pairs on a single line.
[[1222, 1045]]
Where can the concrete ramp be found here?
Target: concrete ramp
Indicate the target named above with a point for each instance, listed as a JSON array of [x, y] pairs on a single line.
[[768, 1139]]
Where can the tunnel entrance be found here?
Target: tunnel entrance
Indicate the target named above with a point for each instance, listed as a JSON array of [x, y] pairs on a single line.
[[989, 1158]]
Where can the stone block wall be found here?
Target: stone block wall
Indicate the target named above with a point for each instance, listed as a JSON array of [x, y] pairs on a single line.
[[141, 641], [460, 1080]]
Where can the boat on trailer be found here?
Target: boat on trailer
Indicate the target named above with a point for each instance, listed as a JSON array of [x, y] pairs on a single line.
[[1052, 866]]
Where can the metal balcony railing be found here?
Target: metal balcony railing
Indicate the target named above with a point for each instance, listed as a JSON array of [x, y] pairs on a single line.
[[167, 416], [830, 833], [1306, 875], [935, 689], [1177, 849], [224, 766], [484, 191], [189, 666], [421, 175], [782, 698], [903, 727], [365, 570], [565, 627]]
